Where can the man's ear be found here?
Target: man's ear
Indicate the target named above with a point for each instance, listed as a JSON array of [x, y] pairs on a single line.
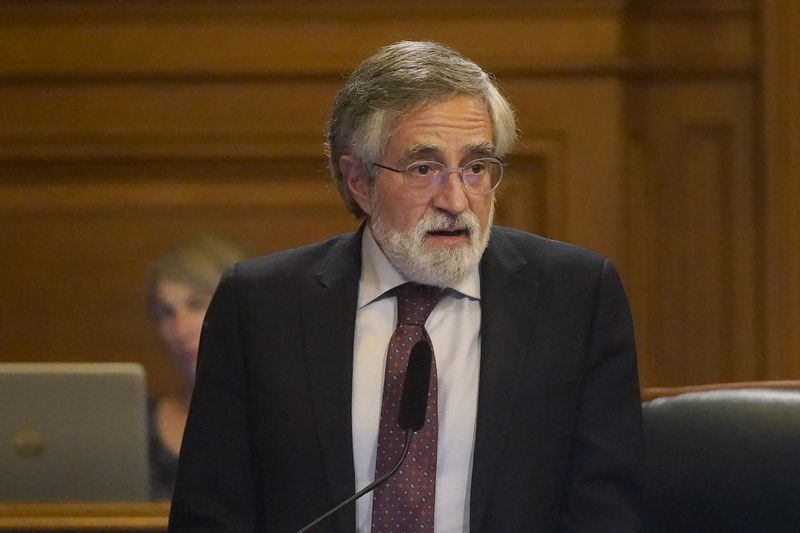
[[356, 180]]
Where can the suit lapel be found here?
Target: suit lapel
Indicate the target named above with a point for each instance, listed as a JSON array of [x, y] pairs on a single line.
[[506, 324], [328, 327]]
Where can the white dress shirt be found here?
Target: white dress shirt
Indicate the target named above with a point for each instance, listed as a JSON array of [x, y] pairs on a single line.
[[454, 329]]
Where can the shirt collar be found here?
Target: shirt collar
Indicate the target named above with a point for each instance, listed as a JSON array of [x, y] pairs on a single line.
[[379, 276]]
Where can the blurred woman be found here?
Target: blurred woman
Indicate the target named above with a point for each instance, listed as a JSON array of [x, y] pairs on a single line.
[[179, 288]]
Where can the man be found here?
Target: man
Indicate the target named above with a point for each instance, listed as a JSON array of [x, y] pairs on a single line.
[[535, 414]]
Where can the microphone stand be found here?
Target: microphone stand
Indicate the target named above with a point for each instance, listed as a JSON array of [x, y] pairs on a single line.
[[371, 486]]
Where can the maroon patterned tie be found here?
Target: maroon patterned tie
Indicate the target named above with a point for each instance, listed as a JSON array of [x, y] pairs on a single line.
[[406, 501]]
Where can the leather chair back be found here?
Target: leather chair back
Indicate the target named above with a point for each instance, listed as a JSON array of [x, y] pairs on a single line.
[[723, 461]]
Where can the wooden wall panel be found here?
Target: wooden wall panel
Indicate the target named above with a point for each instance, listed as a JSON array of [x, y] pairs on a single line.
[[578, 125], [305, 38], [693, 207], [781, 108], [708, 38], [188, 120], [125, 125]]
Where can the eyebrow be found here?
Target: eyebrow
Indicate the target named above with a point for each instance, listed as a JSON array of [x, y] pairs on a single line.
[[418, 150], [484, 149]]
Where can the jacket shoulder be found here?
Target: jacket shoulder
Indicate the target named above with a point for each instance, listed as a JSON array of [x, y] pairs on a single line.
[[308, 258], [541, 251], [288, 267]]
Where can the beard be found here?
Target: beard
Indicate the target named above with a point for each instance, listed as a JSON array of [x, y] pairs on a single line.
[[441, 266]]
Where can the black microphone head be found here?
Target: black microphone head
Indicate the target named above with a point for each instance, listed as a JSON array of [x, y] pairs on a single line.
[[414, 400]]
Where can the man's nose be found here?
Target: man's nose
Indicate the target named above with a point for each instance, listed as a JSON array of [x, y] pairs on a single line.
[[451, 196]]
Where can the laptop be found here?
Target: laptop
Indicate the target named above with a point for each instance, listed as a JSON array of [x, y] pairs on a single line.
[[73, 432]]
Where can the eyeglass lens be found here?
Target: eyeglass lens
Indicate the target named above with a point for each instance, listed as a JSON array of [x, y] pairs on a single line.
[[479, 176]]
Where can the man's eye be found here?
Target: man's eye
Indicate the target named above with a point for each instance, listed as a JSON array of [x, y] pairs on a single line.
[[421, 170], [478, 167]]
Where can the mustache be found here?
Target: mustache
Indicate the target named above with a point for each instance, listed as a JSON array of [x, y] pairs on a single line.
[[438, 221]]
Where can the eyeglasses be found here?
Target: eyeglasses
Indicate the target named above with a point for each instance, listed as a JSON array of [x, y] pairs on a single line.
[[479, 176]]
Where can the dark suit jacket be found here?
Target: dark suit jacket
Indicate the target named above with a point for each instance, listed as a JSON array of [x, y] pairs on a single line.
[[268, 443]]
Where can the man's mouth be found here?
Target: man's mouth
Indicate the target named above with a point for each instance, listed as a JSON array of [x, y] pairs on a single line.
[[450, 233]]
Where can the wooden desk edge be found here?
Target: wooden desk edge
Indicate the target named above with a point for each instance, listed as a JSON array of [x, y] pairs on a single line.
[[145, 516]]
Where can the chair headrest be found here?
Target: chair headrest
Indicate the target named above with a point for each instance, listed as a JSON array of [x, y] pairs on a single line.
[[729, 459]]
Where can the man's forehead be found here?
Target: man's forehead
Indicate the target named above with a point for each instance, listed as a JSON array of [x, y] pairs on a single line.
[[457, 125], [451, 109]]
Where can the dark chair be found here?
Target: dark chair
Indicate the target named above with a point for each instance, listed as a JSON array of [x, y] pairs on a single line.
[[723, 459]]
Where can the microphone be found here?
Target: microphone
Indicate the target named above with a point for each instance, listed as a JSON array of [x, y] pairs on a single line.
[[413, 404], [414, 399]]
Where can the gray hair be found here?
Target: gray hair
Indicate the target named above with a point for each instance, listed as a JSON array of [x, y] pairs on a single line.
[[391, 84]]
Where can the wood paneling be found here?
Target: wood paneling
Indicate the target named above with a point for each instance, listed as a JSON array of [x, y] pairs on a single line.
[[692, 213], [781, 109], [304, 38], [126, 125], [576, 126], [157, 120]]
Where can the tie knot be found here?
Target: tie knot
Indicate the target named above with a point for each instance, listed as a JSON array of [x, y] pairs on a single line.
[[415, 302]]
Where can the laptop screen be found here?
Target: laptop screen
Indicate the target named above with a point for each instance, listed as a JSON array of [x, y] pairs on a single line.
[[73, 432]]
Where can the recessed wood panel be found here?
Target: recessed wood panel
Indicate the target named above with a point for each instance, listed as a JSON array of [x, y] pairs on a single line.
[[693, 241], [576, 128], [522, 197]]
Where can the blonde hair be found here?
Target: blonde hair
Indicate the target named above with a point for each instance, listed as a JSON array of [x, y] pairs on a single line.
[[197, 262]]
